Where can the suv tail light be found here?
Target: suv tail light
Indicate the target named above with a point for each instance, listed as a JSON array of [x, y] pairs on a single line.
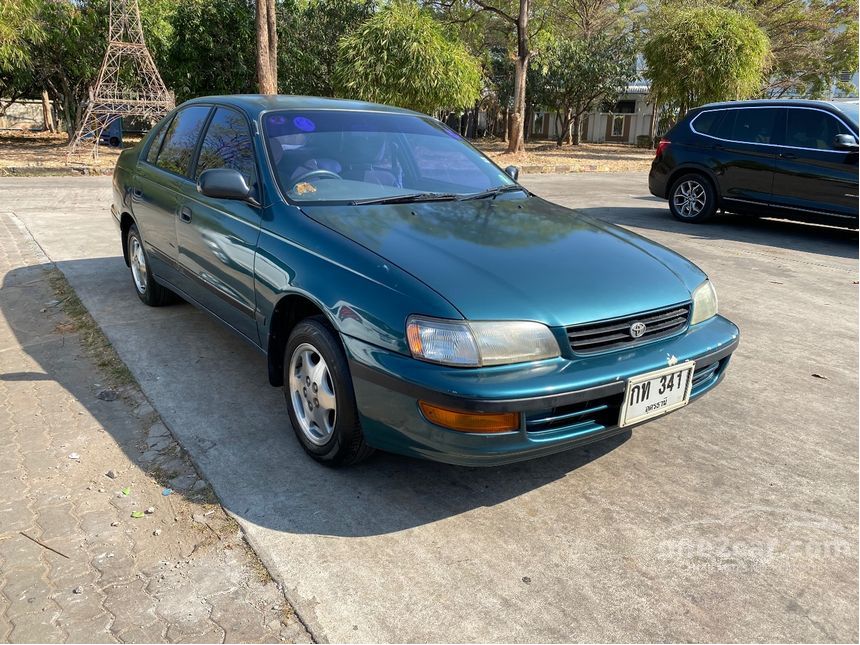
[[664, 143]]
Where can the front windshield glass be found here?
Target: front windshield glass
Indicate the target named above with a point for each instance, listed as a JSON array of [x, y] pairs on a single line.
[[849, 108], [342, 155]]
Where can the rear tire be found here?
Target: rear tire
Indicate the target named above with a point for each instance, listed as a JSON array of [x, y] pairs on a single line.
[[692, 198], [320, 397], [147, 289]]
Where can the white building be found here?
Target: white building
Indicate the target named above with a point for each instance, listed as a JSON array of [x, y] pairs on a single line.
[[622, 122]]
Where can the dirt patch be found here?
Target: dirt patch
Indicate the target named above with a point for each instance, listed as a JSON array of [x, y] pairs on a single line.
[[546, 156], [34, 153]]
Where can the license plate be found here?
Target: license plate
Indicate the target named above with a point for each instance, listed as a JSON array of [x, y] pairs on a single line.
[[655, 393]]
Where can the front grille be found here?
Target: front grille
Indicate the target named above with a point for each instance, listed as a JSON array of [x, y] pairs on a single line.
[[612, 334], [591, 416]]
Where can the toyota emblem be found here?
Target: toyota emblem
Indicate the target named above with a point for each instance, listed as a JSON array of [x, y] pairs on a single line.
[[637, 329]]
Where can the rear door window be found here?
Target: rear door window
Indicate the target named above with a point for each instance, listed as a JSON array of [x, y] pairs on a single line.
[[181, 140], [753, 125], [812, 129]]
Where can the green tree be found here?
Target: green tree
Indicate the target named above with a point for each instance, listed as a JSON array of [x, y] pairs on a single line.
[[313, 31], [403, 56], [212, 50], [579, 72], [522, 23], [812, 41], [697, 55], [19, 28]]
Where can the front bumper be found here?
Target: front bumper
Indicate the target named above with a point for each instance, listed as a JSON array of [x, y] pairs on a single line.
[[563, 403]]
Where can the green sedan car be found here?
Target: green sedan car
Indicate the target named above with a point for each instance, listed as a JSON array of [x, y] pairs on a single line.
[[409, 295]]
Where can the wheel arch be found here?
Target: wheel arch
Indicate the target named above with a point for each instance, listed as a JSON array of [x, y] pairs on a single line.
[[289, 311], [693, 169], [125, 223]]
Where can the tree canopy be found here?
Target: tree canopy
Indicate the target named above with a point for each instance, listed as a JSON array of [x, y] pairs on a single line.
[[701, 54], [402, 56], [578, 72]]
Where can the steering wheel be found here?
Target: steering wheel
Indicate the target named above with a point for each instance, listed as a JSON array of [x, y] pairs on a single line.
[[315, 174]]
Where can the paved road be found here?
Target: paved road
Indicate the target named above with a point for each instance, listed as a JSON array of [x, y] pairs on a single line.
[[732, 520]]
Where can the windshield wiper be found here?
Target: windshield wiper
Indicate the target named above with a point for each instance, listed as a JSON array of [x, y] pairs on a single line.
[[406, 199], [492, 192]]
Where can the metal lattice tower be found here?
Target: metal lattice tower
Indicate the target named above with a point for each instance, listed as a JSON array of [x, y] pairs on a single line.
[[129, 83]]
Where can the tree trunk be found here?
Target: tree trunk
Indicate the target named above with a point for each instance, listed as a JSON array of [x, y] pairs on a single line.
[[47, 112], [652, 128], [266, 84], [506, 124], [271, 20], [521, 68], [577, 126], [563, 131]]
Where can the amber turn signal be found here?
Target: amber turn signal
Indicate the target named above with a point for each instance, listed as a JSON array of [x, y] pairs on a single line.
[[477, 422]]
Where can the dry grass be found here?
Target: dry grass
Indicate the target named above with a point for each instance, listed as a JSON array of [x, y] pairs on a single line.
[[34, 151], [21, 149], [605, 157], [93, 340]]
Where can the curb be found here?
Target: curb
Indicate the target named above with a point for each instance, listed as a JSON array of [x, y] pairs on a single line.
[[564, 169], [53, 171]]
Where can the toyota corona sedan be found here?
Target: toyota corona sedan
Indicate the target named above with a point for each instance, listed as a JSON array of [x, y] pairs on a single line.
[[408, 294]]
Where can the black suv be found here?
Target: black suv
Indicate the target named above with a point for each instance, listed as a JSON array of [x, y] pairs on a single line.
[[790, 158]]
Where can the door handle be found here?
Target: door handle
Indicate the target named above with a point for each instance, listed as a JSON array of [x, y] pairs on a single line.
[[185, 214], [787, 155]]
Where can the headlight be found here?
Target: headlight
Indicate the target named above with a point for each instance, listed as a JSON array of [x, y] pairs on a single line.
[[476, 344], [704, 302]]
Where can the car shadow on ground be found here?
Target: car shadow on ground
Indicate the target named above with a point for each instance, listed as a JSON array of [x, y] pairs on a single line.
[[239, 435], [787, 234]]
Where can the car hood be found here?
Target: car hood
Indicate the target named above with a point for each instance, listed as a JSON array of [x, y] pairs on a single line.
[[519, 259]]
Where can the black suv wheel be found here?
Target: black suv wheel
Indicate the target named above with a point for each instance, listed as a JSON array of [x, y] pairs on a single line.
[[692, 198]]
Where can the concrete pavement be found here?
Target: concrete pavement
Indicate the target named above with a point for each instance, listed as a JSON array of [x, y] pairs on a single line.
[[732, 520], [82, 451]]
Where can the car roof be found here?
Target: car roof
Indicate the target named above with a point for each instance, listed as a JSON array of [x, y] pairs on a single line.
[[836, 105], [770, 103], [254, 104]]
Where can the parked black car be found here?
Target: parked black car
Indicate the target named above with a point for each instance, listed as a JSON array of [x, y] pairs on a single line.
[[790, 158]]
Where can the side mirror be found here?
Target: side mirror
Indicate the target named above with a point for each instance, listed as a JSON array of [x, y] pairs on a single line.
[[224, 183], [513, 172], [845, 142]]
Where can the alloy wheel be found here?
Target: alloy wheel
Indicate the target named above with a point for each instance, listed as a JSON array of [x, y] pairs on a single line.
[[312, 393], [138, 264], [689, 198]]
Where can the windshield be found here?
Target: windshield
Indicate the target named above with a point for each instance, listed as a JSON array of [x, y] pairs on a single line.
[[849, 108], [341, 155]]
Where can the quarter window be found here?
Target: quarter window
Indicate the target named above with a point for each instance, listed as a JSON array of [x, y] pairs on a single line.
[[707, 122], [227, 144], [812, 129], [181, 139], [155, 146]]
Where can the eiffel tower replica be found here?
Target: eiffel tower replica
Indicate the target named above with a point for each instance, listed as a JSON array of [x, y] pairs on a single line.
[[129, 83]]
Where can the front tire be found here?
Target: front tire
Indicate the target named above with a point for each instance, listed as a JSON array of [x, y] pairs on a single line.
[[148, 290], [320, 396], [692, 199]]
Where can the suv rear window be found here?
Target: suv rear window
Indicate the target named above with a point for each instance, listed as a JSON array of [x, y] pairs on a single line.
[[707, 122]]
